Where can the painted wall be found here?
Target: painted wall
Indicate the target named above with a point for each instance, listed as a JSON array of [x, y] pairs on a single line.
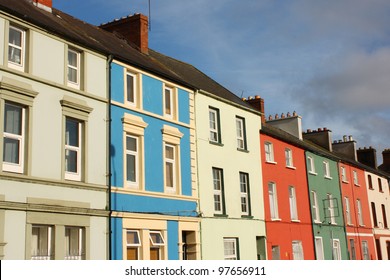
[[283, 231], [322, 186], [232, 161], [354, 192], [43, 196], [381, 233]]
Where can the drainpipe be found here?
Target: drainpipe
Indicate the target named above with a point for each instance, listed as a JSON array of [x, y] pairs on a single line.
[[108, 120]]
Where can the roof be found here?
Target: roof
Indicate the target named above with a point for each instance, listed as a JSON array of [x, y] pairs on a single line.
[[310, 146], [106, 43]]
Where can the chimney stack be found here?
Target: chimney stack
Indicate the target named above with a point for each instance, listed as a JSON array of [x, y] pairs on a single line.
[[43, 4], [385, 166], [346, 147], [291, 124], [367, 156], [258, 104], [322, 137], [133, 28]]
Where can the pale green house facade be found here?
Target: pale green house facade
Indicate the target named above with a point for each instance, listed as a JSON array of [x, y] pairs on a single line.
[[53, 109]]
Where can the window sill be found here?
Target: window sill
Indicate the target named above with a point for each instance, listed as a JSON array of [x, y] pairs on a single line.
[[276, 219], [221, 215], [242, 150], [216, 143], [295, 221], [357, 185], [328, 177], [313, 173], [247, 216], [344, 181], [317, 222], [291, 167], [371, 189], [271, 162]]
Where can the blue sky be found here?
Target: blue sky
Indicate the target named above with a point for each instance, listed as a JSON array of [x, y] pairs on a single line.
[[327, 60]]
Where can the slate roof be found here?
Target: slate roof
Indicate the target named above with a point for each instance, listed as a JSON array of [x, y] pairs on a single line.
[[104, 42], [312, 147]]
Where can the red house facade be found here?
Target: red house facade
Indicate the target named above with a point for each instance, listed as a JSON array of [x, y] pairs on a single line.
[[286, 198], [359, 229]]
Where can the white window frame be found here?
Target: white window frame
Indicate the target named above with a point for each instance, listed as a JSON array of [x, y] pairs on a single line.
[[159, 245], [293, 203], [365, 250], [240, 131], [297, 250], [289, 157], [355, 178], [218, 189], [18, 66], [336, 249], [135, 154], [76, 176], [319, 248], [173, 163], [269, 152], [244, 190], [359, 212], [49, 255], [329, 196], [311, 165], [273, 201], [214, 124], [77, 68], [326, 169], [134, 89], [348, 210], [170, 104], [343, 174], [275, 251], [80, 252], [314, 206], [134, 245], [230, 249], [9, 166]]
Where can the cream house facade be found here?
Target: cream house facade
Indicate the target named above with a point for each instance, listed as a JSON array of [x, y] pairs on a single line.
[[53, 125], [230, 180], [379, 204]]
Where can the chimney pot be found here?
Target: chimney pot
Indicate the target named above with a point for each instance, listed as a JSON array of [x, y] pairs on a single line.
[[276, 116], [257, 97], [282, 116], [319, 129], [288, 114], [46, 5], [350, 138]]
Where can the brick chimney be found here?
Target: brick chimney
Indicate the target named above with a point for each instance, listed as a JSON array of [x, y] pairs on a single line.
[[346, 147], [322, 137], [43, 4], [385, 166], [133, 28], [258, 104], [367, 156]]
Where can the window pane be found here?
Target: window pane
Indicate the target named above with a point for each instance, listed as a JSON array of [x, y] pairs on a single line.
[[15, 55], [133, 238], [13, 119], [71, 161], [72, 58], [72, 133], [74, 243], [169, 174], [217, 202], [130, 88], [169, 152], [72, 75], [42, 242], [11, 150], [15, 37], [168, 100], [131, 168], [131, 144]]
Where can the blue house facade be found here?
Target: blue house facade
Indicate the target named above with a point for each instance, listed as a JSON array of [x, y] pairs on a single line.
[[153, 186]]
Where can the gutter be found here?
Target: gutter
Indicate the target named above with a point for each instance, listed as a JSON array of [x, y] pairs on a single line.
[[108, 152]]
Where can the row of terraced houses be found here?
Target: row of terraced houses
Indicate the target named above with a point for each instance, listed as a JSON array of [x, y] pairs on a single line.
[[111, 150]]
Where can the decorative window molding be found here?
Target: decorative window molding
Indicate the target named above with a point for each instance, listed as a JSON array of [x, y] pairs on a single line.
[[134, 124], [171, 134]]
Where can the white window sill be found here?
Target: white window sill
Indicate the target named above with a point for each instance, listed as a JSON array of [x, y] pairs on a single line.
[[295, 221], [328, 177], [271, 162], [276, 219], [313, 173], [345, 182], [291, 167], [357, 185], [317, 222]]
